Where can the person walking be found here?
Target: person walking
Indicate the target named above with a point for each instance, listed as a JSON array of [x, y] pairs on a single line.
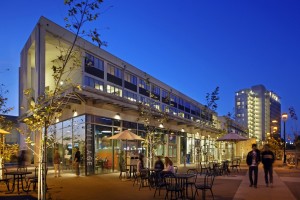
[[77, 161], [56, 162], [253, 160], [268, 159]]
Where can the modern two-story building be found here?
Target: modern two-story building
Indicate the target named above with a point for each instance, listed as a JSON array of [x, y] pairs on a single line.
[[113, 94]]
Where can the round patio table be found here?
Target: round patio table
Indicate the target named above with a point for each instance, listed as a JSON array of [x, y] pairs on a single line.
[[17, 175]]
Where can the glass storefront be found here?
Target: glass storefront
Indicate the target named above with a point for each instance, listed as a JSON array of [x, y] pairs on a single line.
[[102, 155], [66, 136]]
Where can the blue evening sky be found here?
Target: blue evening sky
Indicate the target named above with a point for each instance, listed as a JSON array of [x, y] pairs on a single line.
[[192, 45]]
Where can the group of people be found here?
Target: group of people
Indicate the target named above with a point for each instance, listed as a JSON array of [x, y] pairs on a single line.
[[168, 167], [57, 161], [254, 157]]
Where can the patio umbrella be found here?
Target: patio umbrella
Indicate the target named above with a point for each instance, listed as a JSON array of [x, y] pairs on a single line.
[[3, 131], [232, 137], [125, 135]]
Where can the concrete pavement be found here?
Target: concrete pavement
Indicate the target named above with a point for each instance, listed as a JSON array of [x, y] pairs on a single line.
[[279, 190], [108, 186]]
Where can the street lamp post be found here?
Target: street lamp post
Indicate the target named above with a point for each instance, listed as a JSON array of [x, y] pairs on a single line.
[[284, 117]]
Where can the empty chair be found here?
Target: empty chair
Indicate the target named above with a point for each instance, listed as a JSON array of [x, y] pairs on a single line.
[[32, 179], [144, 178], [172, 186], [191, 181], [204, 168], [123, 170], [159, 183], [207, 184]]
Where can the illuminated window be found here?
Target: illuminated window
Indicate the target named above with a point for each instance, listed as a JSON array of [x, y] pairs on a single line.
[[144, 100], [130, 96], [94, 83], [165, 108], [173, 111], [130, 78], [115, 71], [143, 84], [114, 90], [173, 100], [156, 105]]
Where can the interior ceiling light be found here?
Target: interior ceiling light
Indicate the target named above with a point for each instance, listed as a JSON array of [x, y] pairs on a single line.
[[161, 125], [117, 116]]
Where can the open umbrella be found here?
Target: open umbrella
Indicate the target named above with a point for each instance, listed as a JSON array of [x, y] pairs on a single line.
[[232, 137], [125, 135], [3, 131]]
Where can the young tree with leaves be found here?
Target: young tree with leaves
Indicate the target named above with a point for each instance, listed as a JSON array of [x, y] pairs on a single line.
[[7, 151], [49, 105]]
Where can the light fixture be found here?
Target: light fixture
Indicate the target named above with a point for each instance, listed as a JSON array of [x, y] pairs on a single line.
[[117, 116], [56, 119], [61, 82], [182, 130], [75, 113], [284, 117], [161, 125]]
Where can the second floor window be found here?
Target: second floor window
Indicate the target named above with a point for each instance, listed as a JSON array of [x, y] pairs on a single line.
[[115, 71], [130, 96], [155, 92], [114, 90], [92, 61], [94, 83], [143, 84], [130, 78]]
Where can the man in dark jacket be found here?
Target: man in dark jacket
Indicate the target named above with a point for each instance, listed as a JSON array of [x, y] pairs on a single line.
[[253, 160], [268, 160]]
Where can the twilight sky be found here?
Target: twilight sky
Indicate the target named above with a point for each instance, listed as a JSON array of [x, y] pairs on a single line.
[[191, 45]]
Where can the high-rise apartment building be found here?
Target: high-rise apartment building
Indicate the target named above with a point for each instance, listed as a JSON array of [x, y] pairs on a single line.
[[258, 109]]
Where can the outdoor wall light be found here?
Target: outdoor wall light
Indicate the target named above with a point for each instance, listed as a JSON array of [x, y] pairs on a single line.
[[161, 125], [75, 113], [182, 130], [56, 119], [117, 116]]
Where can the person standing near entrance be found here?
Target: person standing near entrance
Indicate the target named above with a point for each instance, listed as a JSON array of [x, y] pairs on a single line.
[[77, 161], [56, 162], [268, 159], [253, 160]]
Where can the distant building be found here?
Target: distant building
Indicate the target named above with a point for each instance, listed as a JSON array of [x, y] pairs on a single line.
[[260, 110], [229, 125]]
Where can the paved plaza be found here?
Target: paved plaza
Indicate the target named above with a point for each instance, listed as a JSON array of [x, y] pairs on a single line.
[[109, 186]]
